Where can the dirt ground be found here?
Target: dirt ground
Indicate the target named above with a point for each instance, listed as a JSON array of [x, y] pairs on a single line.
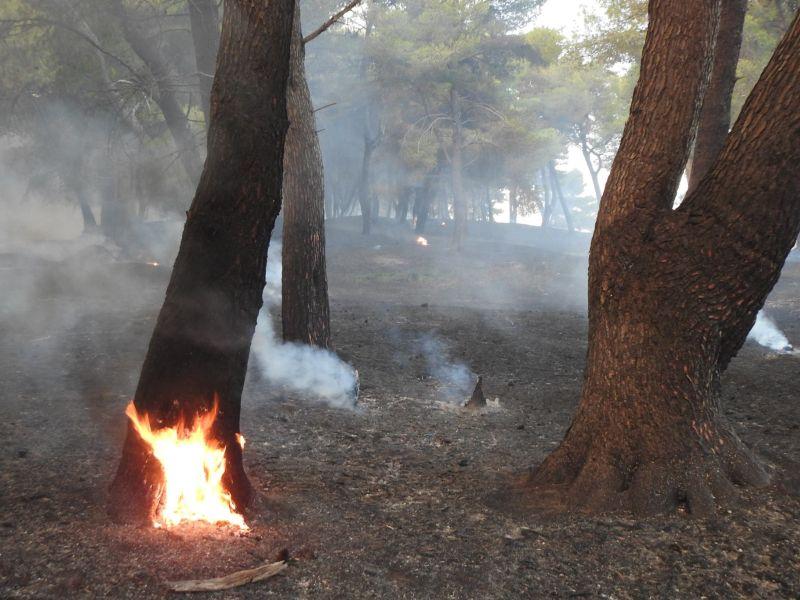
[[403, 497]]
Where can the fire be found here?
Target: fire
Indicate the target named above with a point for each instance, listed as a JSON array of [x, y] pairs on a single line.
[[193, 465], [421, 241]]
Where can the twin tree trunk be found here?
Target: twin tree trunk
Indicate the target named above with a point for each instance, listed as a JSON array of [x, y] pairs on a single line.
[[305, 311], [673, 293], [201, 343]]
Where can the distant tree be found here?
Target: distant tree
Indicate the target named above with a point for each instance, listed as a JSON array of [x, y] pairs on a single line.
[[674, 292], [201, 343]]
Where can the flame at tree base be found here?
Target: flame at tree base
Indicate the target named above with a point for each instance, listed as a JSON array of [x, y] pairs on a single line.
[[193, 464]]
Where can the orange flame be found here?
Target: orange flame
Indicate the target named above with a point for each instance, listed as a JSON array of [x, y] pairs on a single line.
[[193, 464]]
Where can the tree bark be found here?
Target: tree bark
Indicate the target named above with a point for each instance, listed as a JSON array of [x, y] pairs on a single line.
[[201, 343], [304, 309], [715, 116], [204, 21], [673, 293]]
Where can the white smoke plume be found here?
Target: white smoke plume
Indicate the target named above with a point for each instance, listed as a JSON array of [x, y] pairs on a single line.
[[318, 374], [766, 333], [455, 378]]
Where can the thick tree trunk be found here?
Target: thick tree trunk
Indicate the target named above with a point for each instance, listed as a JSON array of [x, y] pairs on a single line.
[[156, 64], [204, 21], [304, 308], [201, 343], [422, 204], [674, 293], [457, 168], [715, 117]]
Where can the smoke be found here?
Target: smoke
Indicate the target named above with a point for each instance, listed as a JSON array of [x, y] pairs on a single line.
[[316, 373], [455, 378], [766, 333]]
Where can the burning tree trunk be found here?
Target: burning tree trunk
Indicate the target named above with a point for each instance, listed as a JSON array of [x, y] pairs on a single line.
[[673, 293], [304, 309], [200, 346]]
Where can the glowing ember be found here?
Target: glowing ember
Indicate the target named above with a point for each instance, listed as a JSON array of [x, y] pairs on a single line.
[[193, 465], [421, 241], [153, 264]]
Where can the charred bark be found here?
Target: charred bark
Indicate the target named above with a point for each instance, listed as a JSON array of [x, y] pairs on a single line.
[[201, 342], [715, 116], [304, 309], [674, 293]]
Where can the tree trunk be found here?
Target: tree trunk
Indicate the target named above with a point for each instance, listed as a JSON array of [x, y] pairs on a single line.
[[89, 222], [364, 192], [204, 21], [174, 117], [422, 203], [304, 309], [587, 157], [556, 190], [715, 116], [457, 167], [403, 204], [512, 205], [201, 343], [674, 293], [547, 211]]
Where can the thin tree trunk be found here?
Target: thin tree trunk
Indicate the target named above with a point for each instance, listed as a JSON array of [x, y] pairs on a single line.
[[715, 116], [204, 21], [304, 309], [556, 187], [512, 205], [89, 222], [547, 212], [201, 343], [456, 164], [174, 117], [364, 191], [587, 157]]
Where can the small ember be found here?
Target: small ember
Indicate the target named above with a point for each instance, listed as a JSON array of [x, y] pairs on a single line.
[[421, 241]]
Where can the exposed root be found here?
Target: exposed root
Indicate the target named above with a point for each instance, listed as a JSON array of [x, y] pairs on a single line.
[[598, 481]]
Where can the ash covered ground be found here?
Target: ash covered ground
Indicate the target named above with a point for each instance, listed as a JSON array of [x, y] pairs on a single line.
[[406, 497]]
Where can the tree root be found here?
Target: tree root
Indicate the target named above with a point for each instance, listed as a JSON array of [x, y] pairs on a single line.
[[692, 478]]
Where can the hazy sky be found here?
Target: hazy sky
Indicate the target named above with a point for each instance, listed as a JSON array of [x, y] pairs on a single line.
[[565, 15]]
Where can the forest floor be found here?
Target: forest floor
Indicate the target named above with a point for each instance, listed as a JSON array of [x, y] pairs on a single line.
[[398, 499]]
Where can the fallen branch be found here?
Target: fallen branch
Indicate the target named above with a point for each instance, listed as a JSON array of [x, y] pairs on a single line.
[[334, 18], [233, 580]]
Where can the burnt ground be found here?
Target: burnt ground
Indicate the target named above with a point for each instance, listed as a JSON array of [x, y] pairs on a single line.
[[401, 499]]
